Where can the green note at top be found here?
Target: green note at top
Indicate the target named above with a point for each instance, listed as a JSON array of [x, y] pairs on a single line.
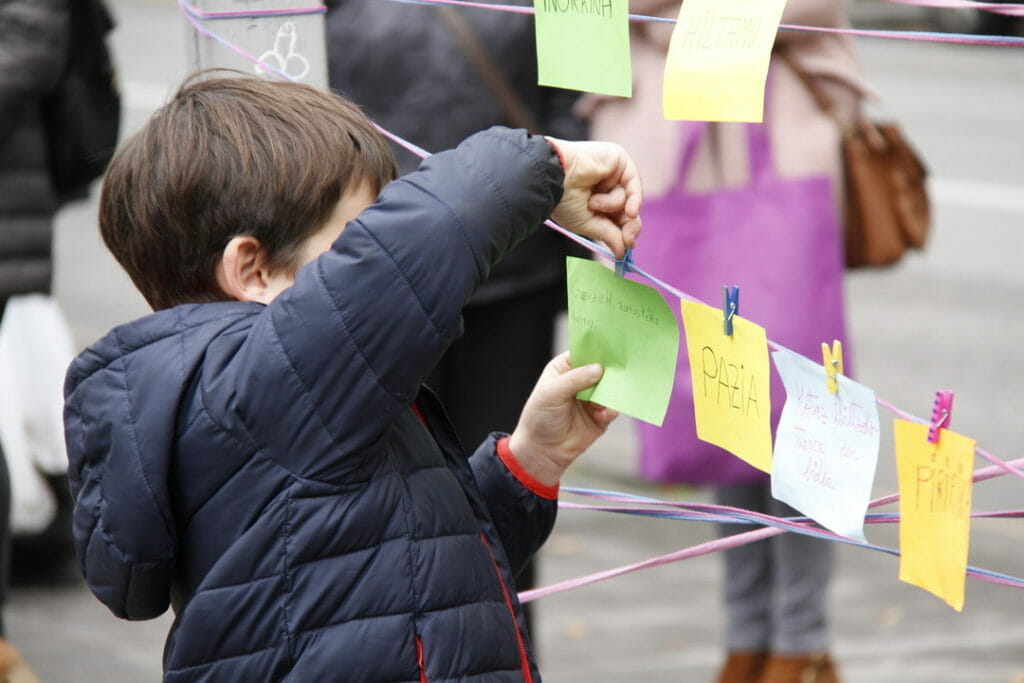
[[584, 45], [629, 329]]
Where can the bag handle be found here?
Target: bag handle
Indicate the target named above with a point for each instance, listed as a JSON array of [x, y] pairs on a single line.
[[468, 41], [696, 132], [862, 124], [824, 102], [760, 162]]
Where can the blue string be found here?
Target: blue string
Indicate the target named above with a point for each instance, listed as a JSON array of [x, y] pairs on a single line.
[[784, 523]]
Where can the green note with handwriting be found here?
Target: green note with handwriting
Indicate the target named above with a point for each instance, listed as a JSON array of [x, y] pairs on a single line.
[[629, 329], [584, 45]]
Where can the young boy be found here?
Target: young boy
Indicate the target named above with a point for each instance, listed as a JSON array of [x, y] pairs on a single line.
[[259, 453]]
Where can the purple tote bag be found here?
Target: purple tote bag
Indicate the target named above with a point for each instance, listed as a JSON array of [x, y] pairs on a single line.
[[779, 240]]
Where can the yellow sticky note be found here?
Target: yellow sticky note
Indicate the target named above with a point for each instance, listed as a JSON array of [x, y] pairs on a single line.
[[731, 401], [935, 509], [717, 60]]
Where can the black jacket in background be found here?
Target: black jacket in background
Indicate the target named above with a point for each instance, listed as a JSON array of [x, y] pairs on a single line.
[[33, 48], [402, 64]]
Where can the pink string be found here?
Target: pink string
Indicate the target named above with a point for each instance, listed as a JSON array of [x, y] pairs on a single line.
[[188, 10], [925, 36], [1011, 9], [1000, 467], [727, 542], [684, 554], [721, 513], [254, 13]]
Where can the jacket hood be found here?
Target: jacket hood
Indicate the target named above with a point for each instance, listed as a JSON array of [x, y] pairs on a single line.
[[122, 399]]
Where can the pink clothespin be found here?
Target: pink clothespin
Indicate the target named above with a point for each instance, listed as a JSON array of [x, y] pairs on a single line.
[[833, 361], [942, 409]]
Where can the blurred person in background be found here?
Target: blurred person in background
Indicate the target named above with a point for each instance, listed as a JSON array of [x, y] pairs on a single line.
[[433, 75], [34, 38], [774, 590]]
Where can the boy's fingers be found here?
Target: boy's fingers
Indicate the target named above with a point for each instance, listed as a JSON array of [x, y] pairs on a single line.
[[560, 363], [575, 380], [634, 192], [613, 201], [601, 415], [625, 177], [630, 231], [602, 228]]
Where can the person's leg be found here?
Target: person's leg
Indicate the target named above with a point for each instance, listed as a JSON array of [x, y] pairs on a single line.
[[802, 568], [5, 521], [5, 537], [995, 24], [12, 667], [746, 591]]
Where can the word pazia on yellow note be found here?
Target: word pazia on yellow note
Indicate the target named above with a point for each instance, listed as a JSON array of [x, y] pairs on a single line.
[[731, 401]]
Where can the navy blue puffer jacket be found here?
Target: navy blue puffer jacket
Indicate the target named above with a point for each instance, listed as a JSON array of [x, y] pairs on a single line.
[[260, 467]]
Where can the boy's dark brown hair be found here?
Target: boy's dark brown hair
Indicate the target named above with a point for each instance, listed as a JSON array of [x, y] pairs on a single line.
[[230, 156]]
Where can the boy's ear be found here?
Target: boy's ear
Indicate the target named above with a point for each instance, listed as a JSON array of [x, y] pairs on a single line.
[[242, 271]]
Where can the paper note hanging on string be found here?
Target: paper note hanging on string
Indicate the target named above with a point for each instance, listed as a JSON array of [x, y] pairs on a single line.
[[826, 446], [584, 45], [935, 509], [629, 329], [717, 60], [731, 402]]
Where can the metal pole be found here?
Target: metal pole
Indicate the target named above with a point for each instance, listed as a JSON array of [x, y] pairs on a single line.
[[292, 44]]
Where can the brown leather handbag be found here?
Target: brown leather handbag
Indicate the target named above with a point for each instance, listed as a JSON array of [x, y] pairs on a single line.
[[887, 208]]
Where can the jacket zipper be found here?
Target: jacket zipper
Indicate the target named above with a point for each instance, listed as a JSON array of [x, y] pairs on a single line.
[[419, 659], [524, 661]]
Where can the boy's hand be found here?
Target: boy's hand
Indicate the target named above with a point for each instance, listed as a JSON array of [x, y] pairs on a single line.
[[602, 193], [555, 427]]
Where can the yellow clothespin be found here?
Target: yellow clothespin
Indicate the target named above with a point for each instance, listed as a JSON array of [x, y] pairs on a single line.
[[833, 360]]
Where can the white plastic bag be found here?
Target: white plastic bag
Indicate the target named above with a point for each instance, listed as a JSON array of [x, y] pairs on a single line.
[[35, 351]]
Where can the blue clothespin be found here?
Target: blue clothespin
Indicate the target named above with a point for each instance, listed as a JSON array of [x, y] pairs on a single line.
[[942, 409], [622, 264], [730, 306]]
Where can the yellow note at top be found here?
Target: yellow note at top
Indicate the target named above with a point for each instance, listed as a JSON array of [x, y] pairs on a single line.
[[717, 60], [731, 401], [935, 509]]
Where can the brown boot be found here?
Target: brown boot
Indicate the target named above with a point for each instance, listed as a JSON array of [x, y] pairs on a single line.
[[811, 668], [742, 667], [13, 668]]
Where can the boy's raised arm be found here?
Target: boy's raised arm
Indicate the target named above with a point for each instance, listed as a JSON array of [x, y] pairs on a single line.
[[367, 321]]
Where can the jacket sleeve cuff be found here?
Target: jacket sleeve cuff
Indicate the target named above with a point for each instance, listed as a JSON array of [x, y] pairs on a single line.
[[558, 152], [507, 457]]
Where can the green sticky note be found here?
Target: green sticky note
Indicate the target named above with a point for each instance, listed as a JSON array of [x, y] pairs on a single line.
[[629, 329], [584, 45]]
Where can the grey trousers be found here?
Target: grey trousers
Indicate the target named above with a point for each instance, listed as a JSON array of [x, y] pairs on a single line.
[[775, 590]]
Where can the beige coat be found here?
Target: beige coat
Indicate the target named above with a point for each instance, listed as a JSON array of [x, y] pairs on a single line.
[[804, 140]]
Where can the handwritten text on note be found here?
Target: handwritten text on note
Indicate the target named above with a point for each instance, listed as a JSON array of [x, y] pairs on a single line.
[[826, 446]]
